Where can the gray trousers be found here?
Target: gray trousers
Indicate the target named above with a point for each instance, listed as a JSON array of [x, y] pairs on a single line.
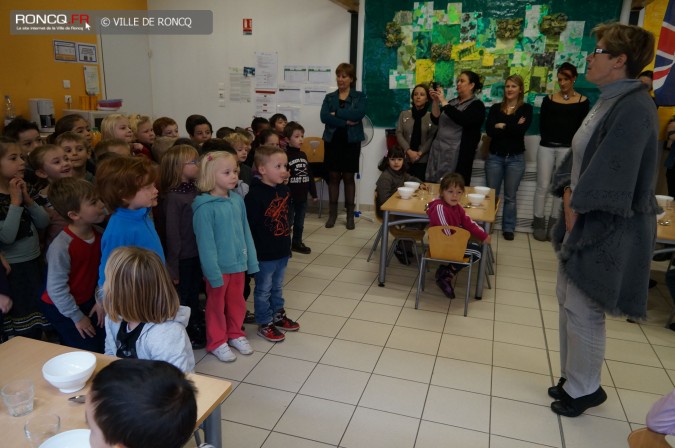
[[582, 339]]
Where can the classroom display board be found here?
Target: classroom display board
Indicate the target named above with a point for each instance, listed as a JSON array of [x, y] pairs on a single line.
[[408, 43]]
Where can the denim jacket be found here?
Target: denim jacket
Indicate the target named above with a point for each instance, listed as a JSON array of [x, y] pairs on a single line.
[[354, 110]]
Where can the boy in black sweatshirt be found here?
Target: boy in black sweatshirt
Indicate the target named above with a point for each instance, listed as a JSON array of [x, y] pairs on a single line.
[[300, 182], [267, 211]]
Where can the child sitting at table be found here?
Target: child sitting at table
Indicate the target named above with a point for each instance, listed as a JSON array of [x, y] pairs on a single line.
[[394, 167], [447, 211], [144, 318], [141, 404]]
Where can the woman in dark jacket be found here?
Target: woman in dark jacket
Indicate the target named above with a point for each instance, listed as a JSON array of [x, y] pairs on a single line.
[[415, 131], [342, 112], [459, 122]]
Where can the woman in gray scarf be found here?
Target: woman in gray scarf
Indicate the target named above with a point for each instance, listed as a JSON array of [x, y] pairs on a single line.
[[606, 240]]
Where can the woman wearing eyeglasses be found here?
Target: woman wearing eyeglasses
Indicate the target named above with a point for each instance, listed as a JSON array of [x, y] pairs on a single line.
[[605, 242]]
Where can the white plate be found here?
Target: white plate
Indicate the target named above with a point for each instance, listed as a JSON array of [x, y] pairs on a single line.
[[401, 197], [76, 438]]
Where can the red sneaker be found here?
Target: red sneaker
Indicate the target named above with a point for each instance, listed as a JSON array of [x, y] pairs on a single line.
[[271, 333], [282, 321]]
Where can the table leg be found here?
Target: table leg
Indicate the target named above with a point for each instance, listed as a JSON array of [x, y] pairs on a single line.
[[481, 266], [212, 429], [384, 248]]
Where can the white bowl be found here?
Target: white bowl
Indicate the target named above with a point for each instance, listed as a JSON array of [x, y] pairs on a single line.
[[663, 200], [69, 372], [411, 184], [482, 190], [75, 438], [405, 192], [475, 199]]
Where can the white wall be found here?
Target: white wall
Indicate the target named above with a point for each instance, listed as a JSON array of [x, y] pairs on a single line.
[[186, 70]]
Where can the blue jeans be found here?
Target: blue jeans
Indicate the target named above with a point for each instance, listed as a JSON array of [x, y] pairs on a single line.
[[267, 294], [296, 219], [509, 169]]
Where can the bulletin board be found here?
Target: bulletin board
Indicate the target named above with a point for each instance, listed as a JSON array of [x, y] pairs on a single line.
[[407, 43]]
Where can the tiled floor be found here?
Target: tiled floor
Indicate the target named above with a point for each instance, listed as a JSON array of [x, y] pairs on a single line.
[[368, 370]]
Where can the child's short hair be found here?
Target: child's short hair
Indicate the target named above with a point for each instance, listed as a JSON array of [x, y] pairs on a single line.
[[135, 120], [396, 152], [264, 152], [224, 132], [104, 146], [36, 158], [138, 287], [69, 136], [258, 124], [159, 124], [139, 403], [207, 175], [237, 138], [18, 126], [108, 125], [161, 146], [217, 144], [120, 178], [66, 195], [291, 127], [195, 120], [187, 141], [171, 166], [452, 180]]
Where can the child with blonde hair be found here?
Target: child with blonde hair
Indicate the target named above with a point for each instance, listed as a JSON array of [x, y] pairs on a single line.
[[117, 126], [177, 190], [141, 125], [20, 219], [161, 146], [144, 318], [226, 252]]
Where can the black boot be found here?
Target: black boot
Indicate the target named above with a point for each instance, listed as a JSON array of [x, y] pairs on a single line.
[[332, 215], [350, 217]]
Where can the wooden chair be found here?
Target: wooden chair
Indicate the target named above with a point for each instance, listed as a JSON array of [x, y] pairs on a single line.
[[400, 233], [646, 438], [314, 147], [446, 249]]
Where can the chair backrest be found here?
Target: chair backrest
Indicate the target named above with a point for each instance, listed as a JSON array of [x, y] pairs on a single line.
[[314, 148], [448, 247], [646, 438]]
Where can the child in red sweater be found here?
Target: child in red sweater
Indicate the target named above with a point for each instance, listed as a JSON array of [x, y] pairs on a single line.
[[447, 211]]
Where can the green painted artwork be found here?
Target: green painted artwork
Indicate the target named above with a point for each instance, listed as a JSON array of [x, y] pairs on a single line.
[[463, 36]]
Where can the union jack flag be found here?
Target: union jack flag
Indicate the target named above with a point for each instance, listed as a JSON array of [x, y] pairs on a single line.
[[664, 74]]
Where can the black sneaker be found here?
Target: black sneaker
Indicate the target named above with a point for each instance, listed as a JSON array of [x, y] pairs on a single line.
[[508, 236], [282, 321], [300, 248], [197, 335], [271, 333], [249, 318]]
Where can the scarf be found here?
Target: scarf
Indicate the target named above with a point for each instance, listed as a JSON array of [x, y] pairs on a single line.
[[416, 137]]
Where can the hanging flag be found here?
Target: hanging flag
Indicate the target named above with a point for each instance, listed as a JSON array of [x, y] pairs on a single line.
[[664, 74]]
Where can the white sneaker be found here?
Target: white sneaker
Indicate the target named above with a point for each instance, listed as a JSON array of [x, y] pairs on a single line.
[[242, 345], [224, 353]]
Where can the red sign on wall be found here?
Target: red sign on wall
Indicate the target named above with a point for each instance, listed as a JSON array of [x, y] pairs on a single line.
[[247, 25]]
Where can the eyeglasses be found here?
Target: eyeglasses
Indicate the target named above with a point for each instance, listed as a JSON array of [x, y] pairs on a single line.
[[601, 51], [192, 162]]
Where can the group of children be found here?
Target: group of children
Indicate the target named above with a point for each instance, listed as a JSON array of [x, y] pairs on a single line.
[[178, 217]]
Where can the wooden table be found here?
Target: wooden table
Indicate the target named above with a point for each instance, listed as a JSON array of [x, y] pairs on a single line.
[[22, 358], [414, 210]]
